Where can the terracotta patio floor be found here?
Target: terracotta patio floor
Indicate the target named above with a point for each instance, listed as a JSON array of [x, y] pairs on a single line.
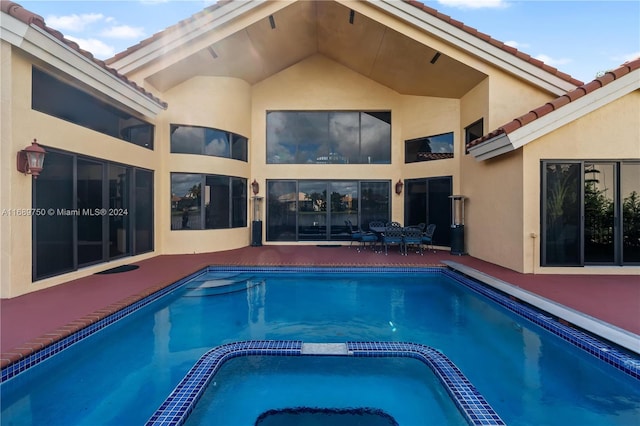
[[29, 322]]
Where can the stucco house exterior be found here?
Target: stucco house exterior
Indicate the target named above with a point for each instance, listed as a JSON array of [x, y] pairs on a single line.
[[315, 110]]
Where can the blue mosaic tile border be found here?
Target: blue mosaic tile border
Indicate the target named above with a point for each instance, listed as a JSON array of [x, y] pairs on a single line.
[[177, 407], [469, 401], [607, 353], [578, 338], [56, 347], [333, 269]]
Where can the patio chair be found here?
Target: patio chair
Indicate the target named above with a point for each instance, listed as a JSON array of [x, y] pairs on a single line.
[[356, 235], [412, 237], [392, 235], [427, 236], [361, 236]]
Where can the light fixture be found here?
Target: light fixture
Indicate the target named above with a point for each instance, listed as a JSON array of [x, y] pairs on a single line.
[[255, 187], [399, 186], [31, 159]]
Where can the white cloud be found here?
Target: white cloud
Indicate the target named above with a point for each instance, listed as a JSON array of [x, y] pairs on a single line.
[[474, 4], [553, 61], [516, 44], [626, 57], [73, 22], [98, 48], [123, 32]]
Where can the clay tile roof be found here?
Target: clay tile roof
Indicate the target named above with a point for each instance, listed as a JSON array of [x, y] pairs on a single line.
[[561, 101], [17, 11], [495, 42]]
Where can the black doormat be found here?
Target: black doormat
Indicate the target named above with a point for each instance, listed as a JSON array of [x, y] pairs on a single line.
[[329, 245], [118, 269]]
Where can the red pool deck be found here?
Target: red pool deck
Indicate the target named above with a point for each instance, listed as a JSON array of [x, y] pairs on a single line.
[[32, 321]]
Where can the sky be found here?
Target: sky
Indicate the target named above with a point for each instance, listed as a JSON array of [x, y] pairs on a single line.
[[581, 38]]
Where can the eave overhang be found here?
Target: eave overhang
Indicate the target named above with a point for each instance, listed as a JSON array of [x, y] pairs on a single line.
[[532, 128], [476, 46], [201, 24], [45, 47]]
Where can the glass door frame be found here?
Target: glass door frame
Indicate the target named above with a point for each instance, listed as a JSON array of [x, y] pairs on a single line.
[[615, 208]]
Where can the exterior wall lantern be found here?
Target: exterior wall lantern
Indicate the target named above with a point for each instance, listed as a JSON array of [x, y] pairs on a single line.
[[399, 186], [255, 187], [31, 159]]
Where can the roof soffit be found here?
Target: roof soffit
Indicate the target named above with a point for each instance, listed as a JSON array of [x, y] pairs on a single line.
[[466, 41], [303, 29]]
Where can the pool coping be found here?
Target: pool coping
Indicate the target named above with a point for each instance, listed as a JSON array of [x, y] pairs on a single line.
[[181, 402], [569, 316], [471, 278]]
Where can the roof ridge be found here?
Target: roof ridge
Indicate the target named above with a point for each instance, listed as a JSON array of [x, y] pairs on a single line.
[[30, 18], [497, 43], [557, 103]]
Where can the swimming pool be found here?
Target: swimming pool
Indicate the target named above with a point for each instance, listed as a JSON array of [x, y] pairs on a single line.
[[123, 373]]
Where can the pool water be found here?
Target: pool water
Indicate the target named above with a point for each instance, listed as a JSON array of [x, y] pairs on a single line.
[[403, 388], [122, 374]]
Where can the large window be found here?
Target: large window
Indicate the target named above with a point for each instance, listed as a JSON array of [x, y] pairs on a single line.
[[438, 147], [206, 141], [59, 99], [427, 201], [590, 213], [314, 210], [328, 137], [207, 201], [90, 211]]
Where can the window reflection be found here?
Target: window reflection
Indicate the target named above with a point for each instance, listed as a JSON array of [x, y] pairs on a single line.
[[207, 201], [430, 148], [309, 210], [185, 201], [207, 141], [320, 137], [85, 110]]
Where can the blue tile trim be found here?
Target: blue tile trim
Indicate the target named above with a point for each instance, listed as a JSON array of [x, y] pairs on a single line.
[[603, 351], [469, 401], [177, 407], [314, 269], [56, 347], [598, 348]]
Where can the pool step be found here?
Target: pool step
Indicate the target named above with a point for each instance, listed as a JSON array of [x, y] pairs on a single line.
[[220, 286]]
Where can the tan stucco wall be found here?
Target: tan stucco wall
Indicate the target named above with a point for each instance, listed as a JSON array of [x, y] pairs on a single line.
[[502, 209], [215, 102], [424, 116], [612, 132], [20, 125], [318, 83]]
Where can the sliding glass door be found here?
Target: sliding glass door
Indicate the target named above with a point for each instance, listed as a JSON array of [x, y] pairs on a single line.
[[590, 213], [427, 201], [314, 210], [93, 211]]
